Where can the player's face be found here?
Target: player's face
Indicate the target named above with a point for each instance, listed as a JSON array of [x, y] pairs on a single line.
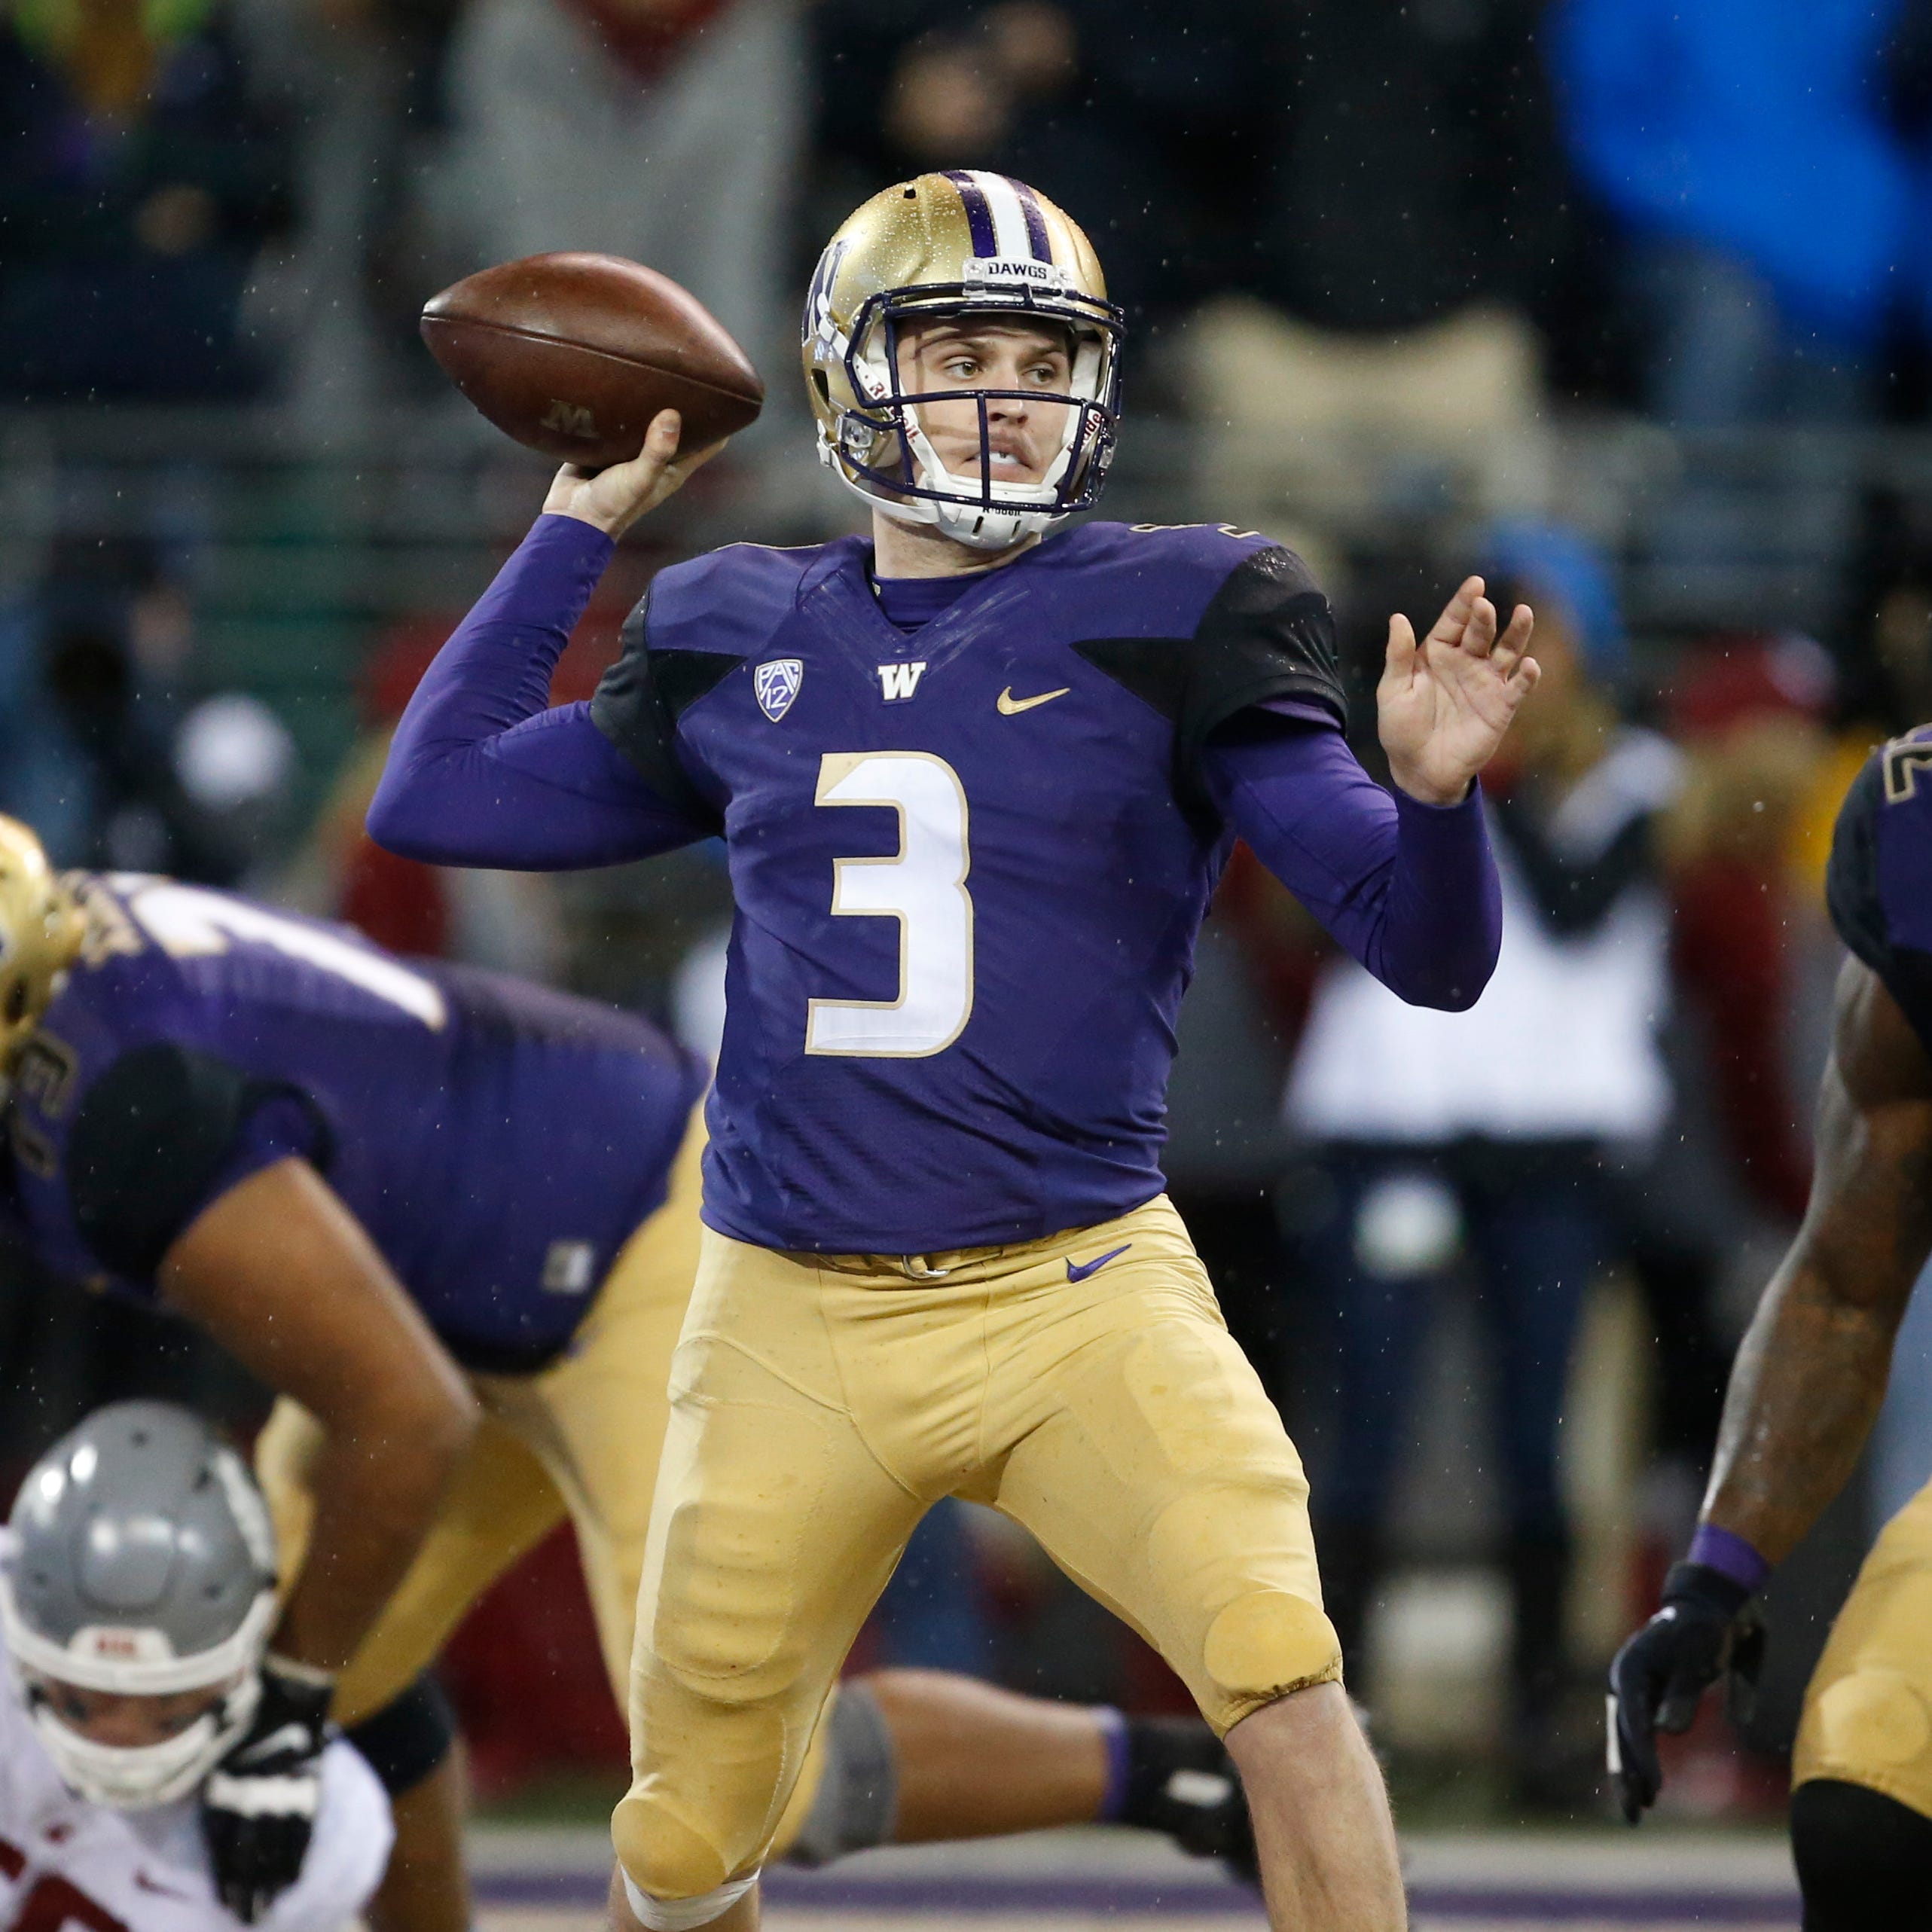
[[127, 1723], [1023, 437]]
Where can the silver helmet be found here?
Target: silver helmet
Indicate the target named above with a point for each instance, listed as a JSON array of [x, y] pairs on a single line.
[[139, 1561]]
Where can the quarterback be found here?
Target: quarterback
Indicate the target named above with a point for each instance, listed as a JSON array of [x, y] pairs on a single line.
[[976, 788], [137, 1587], [1809, 1378], [451, 1220]]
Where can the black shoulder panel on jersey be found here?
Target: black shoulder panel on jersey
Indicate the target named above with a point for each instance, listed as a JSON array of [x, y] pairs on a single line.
[[1858, 908], [149, 1142], [640, 700], [1268, 632], [1155, 669]]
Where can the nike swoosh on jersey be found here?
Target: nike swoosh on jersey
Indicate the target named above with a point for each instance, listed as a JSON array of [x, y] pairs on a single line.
[[1086, 1268], [1010, 706]]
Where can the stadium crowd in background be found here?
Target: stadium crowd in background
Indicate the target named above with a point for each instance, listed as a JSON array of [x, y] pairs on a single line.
[[1378, 267]]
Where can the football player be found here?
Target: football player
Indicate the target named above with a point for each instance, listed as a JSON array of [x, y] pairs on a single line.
[[136, 1593], [1807, 1383], [452, 1220], [976, 784]]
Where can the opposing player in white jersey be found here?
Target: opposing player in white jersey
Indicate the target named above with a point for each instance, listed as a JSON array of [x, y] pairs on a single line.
[[136, 1595]]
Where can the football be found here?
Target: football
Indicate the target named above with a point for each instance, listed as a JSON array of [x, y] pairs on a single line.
[[573, 354]]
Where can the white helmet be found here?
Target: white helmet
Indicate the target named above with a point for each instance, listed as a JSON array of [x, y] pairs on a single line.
[[139, 1561]]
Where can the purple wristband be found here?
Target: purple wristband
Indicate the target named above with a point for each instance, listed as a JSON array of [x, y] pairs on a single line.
[[1729, 1555], [1113, 1730]]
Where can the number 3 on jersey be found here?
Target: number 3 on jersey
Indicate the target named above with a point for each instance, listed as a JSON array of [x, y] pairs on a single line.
[[923, 886]]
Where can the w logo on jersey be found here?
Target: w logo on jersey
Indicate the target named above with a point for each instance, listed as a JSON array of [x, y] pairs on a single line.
[[776, 684], [899, 681]]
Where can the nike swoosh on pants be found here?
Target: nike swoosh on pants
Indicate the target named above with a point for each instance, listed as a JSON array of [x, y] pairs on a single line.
[[1086, 1268]]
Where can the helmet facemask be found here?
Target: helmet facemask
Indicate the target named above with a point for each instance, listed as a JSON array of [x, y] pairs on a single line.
[[136, 1777], [880, 450]]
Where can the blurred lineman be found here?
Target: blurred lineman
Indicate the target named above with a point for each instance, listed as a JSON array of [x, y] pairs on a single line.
[[451, 1219], [136, 1594], [976, 789], [1809, 1380]]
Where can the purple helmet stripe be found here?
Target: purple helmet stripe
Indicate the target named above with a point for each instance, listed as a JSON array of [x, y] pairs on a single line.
[[1036, 221], [979, 217]]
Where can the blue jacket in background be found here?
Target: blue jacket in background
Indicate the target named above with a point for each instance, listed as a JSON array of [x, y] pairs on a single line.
[[1756, 126]]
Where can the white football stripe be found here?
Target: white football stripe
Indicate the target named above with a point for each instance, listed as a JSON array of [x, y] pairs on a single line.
[[1009, 219]]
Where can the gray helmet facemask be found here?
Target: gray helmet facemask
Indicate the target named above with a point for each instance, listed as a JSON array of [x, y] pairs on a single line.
[[139, 1561]]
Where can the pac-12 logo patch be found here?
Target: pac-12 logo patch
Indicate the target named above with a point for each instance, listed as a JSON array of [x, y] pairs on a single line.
[[776, 684]]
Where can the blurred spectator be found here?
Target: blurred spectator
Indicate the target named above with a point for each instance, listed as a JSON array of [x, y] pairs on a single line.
[[1744, 149], [1748, 939], [138, 178], [1146, 122], [1487, 1137], [1745, 145], [666, 130], [508, 921], [1412, 221], [99, 752]]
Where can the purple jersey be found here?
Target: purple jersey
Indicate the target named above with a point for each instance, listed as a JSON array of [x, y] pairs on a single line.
[[969, 865], [969, 857], [1879, 884], [497, 1142]]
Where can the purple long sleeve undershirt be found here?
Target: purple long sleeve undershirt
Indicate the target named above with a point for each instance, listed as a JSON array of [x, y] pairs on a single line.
[[1410, 890], [484, 771]]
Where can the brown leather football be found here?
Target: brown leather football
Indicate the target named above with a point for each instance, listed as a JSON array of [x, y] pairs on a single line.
[[574, 354]]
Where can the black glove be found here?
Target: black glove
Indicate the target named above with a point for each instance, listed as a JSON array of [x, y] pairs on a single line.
[[258, 1805], [1703, 1632]]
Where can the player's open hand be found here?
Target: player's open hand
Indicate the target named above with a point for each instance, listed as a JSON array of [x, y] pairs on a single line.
[[1444, 704], [614, 498]]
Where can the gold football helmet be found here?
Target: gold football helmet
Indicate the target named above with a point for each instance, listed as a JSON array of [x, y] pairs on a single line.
[[965, 242], [41, 931]]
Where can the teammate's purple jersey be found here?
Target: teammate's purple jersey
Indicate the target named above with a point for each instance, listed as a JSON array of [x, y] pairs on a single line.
[[497, 1142], [1879, 883]]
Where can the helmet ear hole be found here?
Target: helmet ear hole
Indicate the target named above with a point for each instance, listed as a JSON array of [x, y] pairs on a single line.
[[823, 387], [16, 1003]]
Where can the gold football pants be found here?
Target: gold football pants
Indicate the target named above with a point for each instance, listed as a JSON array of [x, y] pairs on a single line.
[[1868, 1709], [579, 1438], [819, 1405]]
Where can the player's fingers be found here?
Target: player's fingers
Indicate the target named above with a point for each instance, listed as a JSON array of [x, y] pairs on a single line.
[[696, 459], [661, 440], [1398, 658], [1447, 628], [1523, 679], [1509, 650], [1480, 633]]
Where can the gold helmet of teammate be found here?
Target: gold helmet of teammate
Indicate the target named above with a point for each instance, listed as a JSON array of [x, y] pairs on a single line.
[[963, 242], [41, 931]]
